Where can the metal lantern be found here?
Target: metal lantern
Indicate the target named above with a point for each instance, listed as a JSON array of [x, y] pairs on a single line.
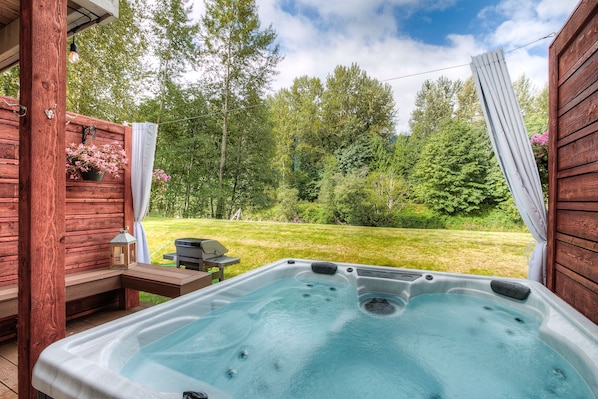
[[123, 250]]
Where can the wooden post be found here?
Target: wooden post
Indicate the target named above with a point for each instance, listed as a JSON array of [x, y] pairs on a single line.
[[42, 183], [553, 79], [130, 298]]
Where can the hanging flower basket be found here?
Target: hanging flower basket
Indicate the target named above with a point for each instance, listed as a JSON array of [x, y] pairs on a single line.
[[92, 174], [91, 162]]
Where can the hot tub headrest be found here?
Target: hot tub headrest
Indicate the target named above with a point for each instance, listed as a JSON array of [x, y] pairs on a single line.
[[511, 289], [323, 267], [194, 395]]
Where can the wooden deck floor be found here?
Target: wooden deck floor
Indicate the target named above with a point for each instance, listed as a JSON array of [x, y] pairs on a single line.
[[8, 349]]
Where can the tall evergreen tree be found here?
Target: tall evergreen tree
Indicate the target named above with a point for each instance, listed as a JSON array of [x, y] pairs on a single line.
[[187, 149]]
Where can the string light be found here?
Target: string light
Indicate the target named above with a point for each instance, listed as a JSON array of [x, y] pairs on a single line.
[[74, 53]]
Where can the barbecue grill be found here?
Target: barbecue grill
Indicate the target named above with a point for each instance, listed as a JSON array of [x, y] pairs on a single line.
[[201, 254]]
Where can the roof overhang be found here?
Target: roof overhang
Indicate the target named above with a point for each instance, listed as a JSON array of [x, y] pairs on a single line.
[[81, 14]]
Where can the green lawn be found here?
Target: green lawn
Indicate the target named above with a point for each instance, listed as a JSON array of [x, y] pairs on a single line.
[[259, 243]]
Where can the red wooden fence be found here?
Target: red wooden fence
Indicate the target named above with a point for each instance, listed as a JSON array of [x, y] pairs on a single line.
[[572, 270], [95, 211]]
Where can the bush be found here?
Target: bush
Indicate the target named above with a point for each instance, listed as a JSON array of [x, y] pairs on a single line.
[[314, 212], [415, 216], [411, 216], [451, 173], [287, 203], [491, 219]]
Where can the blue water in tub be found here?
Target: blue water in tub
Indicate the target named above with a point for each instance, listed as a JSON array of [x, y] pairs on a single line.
[[312, 339]]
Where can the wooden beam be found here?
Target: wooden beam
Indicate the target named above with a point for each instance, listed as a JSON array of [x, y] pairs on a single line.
[[42, 182]]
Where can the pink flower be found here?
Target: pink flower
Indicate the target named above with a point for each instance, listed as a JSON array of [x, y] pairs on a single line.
[[541, 139], [159, 177], [109, 158]]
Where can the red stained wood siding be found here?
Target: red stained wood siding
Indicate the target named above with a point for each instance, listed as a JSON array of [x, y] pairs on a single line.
[[95, 211], [572, 269]]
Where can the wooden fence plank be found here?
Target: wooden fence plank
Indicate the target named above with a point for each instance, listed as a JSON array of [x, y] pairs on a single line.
[[577, 259], [579, 188], [578, 295], [585, 113]]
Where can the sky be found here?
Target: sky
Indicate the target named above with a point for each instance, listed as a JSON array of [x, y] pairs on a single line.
[[402, 42]]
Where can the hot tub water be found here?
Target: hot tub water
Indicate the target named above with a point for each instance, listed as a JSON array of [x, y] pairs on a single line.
[[309, 329], [304, 338]]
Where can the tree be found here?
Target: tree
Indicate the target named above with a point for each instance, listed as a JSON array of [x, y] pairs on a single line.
[[9, 83], [355, 106], [366, 199], [351, 201], [537, 119], [187, 150], [388, 195], [250, 172], [533, 105], [295, 115], [524, 91], [452, 170], [404, 155], [435, 103], [104, 82], [173, 44], [469, 109], [239, 60]]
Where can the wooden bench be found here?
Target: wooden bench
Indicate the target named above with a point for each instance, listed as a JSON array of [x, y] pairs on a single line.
[[165, 281], [82, 286]]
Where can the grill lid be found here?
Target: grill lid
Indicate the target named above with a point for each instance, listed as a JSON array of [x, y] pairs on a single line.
[[189, 242], [199, 247]]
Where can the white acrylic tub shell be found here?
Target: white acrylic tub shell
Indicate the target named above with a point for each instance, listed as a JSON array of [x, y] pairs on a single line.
[[86, 365]]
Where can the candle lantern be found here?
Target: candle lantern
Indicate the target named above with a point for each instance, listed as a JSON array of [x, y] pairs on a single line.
[[123, 250]]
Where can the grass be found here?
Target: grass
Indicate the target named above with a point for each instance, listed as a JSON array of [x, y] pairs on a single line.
[[260, 243]]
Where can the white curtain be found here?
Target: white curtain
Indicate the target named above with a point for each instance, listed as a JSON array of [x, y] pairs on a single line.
[[142, 164], [513, 150]]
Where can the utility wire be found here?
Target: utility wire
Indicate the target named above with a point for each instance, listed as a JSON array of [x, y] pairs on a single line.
[[385, 80], [464, 65], [210, 114]]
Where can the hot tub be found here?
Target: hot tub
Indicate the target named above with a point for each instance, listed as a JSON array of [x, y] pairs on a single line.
[[310, 329]]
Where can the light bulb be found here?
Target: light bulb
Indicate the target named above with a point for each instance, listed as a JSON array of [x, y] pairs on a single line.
[[74, 54]]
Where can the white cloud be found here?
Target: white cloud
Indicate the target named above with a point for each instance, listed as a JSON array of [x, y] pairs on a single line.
[[525, 21], [368, 39], [367, 33], [557, 10]]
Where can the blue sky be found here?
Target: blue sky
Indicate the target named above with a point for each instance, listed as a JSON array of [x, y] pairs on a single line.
[[391, 39], [433, 25]]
